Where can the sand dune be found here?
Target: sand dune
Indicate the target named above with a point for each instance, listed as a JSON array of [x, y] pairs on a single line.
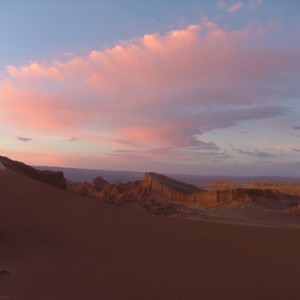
[[54, 245]]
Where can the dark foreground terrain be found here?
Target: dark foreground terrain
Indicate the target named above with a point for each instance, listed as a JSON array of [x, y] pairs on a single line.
[[55, 245]]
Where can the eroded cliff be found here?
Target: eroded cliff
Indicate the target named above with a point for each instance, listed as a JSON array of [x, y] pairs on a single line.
[[159, 191]]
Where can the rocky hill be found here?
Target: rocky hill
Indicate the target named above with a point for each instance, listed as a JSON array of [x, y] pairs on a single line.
[[164, 195], [49, 177]]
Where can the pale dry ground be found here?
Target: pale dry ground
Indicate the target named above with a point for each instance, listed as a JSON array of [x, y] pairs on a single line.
[[55, 246]]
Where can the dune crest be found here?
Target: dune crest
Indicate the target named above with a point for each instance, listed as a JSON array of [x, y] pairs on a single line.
[[49, 177]]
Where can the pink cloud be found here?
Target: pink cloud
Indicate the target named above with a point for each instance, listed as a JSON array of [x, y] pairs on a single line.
[[158, 91], [24, 107], [235, 7], [232, 8]]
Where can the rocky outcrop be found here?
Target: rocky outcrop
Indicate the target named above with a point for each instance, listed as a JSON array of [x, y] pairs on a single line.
[[122, 193], [99, 183], [160, 194], [225, 195], [55, 179], [167, 185], [137, 192], [189, 194], [83, 188]]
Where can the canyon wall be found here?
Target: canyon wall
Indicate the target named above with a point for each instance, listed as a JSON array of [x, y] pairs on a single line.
[[180, 192], [159, 189], [231, 196]]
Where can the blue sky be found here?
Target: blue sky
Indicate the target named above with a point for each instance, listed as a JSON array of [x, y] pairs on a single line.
[[41, 30], [203, 87]]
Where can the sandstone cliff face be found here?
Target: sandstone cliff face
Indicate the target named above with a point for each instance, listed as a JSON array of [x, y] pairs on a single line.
[[189, 194], [226, 195], [164, 184], [50, 177]]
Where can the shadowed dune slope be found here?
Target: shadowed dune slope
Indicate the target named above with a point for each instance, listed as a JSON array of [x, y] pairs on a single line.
[[54, 178], [54, 245]]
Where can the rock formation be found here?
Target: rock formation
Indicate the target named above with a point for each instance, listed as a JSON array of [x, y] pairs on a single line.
[[49, 177], [117, 193], [99, 183], [161, 194], [224, 194], [82, 188]]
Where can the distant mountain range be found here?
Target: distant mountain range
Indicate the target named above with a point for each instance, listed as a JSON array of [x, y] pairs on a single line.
[[126, 176]]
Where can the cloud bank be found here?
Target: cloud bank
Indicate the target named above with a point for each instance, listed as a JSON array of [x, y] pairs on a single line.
[[161, 91]]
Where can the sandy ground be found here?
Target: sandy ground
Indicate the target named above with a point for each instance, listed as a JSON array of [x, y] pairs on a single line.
[[54, 245]]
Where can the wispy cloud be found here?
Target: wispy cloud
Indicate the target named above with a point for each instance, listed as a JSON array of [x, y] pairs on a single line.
[[73, 139], [24, 139], [235, 7], [258, 154]]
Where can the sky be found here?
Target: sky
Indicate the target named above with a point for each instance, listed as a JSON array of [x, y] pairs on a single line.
[[195, 87]]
